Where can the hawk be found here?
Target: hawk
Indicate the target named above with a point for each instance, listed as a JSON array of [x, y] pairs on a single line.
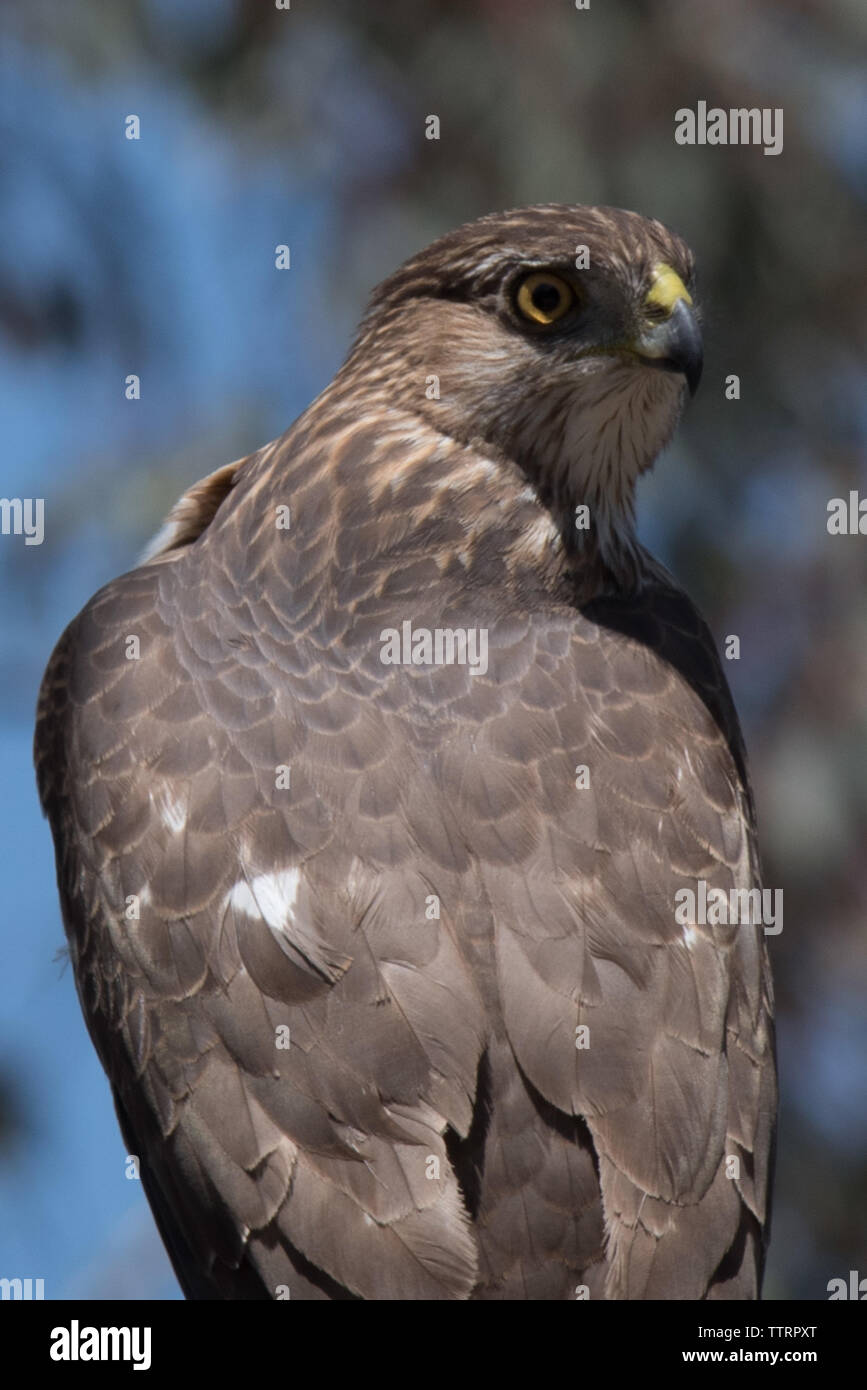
[[373, 789]]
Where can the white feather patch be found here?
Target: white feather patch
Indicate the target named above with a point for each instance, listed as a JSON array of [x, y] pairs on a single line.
[[171, 809], [273, 899], [269, 896]]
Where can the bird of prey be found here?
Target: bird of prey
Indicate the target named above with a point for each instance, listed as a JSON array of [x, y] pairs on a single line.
[[373, 789]]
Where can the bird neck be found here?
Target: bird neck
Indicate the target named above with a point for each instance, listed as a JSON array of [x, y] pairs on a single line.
[[378, 488]]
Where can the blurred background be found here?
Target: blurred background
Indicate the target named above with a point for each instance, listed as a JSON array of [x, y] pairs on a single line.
[[306, 127]]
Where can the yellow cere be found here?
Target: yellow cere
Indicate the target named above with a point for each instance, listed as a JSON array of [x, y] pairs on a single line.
[[667, 288]]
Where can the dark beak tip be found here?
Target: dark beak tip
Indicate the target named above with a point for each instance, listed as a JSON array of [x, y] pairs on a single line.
[[675, 345], [678, 347], [687, 348]]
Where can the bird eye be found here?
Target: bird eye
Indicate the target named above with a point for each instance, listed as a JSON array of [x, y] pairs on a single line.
[[544, 298]]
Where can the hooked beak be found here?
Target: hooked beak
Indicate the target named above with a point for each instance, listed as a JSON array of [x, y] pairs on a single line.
[[673, 343]]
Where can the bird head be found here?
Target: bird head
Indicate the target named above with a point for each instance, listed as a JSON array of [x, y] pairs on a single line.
[[562, 338]]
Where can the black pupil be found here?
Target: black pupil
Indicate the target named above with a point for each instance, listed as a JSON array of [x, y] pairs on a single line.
[[546, 298]]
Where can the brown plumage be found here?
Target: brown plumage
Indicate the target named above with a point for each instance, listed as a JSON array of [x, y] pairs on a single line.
[[433, 905]]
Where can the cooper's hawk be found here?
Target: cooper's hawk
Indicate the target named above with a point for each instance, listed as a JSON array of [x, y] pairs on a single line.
[[372, 792]]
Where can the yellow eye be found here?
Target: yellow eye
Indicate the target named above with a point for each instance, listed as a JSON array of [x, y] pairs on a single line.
[[544, 298]]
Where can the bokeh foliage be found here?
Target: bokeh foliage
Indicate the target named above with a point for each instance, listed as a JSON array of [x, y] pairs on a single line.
[[262, 126]]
